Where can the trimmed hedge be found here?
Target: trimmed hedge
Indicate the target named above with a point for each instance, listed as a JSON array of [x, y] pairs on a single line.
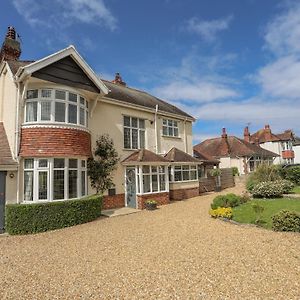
[[286, 220], [272, 189], [39, 217]]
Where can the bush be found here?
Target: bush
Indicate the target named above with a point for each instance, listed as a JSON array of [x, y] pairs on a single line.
[[245, 198], [263, 173], [221, 212], [286, 220], [258, 209], [292, 174], [271, 189], [38, 217], [235, 171], [229, 200]]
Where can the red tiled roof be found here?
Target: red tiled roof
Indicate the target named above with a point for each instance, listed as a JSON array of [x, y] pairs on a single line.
[[176, 155], [5, 153], [144, 156], [231, 146], [266, 135], [206, 158]]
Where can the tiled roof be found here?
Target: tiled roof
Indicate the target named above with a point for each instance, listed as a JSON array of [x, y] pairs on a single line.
[[176, 155], [5, 154], [123, 93], [144, 156], [266, 135], [296, 141], [231, 146], [206, 158]]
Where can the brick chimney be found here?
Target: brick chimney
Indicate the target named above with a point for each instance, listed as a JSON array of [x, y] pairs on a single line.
[[118, 80], [268, 134], [247, 134], [224, 134], [11, 48]]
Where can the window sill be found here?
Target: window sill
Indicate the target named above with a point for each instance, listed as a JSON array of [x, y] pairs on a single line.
[[171, 137], [184, 181], [150, 193], [55, 124]]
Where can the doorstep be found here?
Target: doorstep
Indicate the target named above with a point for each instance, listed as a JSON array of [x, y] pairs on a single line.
[[123, 211]]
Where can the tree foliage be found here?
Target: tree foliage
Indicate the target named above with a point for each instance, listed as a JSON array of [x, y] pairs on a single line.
[[101, 167]]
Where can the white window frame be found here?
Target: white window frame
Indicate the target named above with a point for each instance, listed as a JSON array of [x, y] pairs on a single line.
[[173, 126], [139, 129], [192, 168], [52, 99], [50, 180]]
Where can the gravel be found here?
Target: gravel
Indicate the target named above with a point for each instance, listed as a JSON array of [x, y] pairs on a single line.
[[175, 252]]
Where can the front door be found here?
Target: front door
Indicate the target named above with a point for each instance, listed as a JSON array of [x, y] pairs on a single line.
[[2, 199], [130, 187]]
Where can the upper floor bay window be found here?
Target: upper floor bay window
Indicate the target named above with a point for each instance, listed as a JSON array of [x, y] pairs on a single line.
[[180, 173], [49, 105], [48, 179], [287, 145], [170, 128], [134, 133]]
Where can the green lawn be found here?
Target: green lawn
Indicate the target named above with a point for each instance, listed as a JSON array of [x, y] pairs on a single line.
[[245, 213], [296, 190]]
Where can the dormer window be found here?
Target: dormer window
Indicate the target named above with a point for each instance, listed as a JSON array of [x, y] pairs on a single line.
[[49, 105]]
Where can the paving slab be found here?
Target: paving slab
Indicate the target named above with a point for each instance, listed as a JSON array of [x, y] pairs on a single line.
[[116, 212]]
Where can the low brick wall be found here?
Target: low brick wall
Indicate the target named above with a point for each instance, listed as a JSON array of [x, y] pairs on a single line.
[[115, 201], [161, 198], [181, 194]]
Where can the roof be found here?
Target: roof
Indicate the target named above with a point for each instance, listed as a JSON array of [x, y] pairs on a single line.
[[5, 153], [231, 146], [118, 92], [266, 135], [296, 141], [206, 158], [176, 155], [144, 156]]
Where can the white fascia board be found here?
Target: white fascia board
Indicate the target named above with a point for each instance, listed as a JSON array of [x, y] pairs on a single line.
[[48, 60]]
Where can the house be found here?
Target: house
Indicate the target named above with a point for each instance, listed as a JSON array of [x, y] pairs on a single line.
[[235, 152], [296, 149], [53, 109], [282, 144]]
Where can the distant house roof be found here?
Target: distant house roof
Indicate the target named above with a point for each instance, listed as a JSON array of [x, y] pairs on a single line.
[[122, 93], [231, 146], [205, 158], [6, 160], [144, 156], [176, 155], [266, 135], [296, 141]]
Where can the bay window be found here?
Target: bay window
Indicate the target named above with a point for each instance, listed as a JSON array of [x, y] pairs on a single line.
[[49, 105], [180, 173], [48, 179]]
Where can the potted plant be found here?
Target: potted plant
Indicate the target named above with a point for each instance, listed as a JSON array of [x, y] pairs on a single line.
[[151, 204], [217, 174]]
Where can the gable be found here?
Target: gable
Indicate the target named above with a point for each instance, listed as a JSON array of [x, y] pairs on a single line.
[[66, 72]]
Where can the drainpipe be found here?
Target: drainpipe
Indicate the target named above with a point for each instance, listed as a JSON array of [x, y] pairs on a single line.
[[16, 154], [155, 129], [185, 137]]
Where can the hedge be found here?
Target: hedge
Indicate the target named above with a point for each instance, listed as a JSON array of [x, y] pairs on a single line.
[[39, 217]]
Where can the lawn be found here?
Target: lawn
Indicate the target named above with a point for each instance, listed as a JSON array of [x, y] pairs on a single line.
[[245, 213], [296, 190]]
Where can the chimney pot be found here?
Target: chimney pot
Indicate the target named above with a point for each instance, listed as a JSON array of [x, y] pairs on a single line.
[[247, 134], [11, 49], [11, 33], [224, 134], [267, 126], [118, 79]]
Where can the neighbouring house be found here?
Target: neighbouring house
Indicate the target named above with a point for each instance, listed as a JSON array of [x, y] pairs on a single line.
[[296, 148], [284, 144], [232, 151], [53, 109]]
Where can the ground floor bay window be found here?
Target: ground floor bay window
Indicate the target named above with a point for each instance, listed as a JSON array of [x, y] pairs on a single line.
[[50, 179], [182, 173]]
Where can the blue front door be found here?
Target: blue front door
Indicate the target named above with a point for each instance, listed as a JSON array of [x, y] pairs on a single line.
[[2, 199], [130, 187]]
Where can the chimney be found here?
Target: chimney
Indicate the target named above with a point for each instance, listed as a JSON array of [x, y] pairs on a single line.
[[257, 141], [11, 49], [224, 134], [247, 134], [268, 134], [118, 80]]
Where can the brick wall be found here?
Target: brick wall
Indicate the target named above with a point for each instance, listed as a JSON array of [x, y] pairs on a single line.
[[161, 198], [181, 194], [115, 201], [54, 142]]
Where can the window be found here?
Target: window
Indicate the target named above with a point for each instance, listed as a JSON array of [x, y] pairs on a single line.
[[47, 179], [286, 146], [185, 173], [152, 179], [47, 105], [134, 133], [170, 128]]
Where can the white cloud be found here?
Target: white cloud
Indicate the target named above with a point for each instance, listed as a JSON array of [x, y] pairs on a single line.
[[64, 13], [208, 30]]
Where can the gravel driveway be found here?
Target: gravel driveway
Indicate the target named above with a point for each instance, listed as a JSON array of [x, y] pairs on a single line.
[[176, 252]]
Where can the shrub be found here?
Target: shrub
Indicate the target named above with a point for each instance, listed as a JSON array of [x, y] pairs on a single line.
[[38, 217], [292, 174], [263, 173], [287, 186], [235, 171], [221, 212], [268, 189], [258, 209], [229, 200], [286, 220]]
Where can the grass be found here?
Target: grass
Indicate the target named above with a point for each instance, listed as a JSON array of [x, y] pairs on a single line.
[[296, 190], [245, 213]]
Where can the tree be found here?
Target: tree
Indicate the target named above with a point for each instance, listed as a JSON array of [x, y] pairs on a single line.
[[101, 167]]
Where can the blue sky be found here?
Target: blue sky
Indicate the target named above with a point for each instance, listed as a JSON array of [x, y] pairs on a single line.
[[228, 63]]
